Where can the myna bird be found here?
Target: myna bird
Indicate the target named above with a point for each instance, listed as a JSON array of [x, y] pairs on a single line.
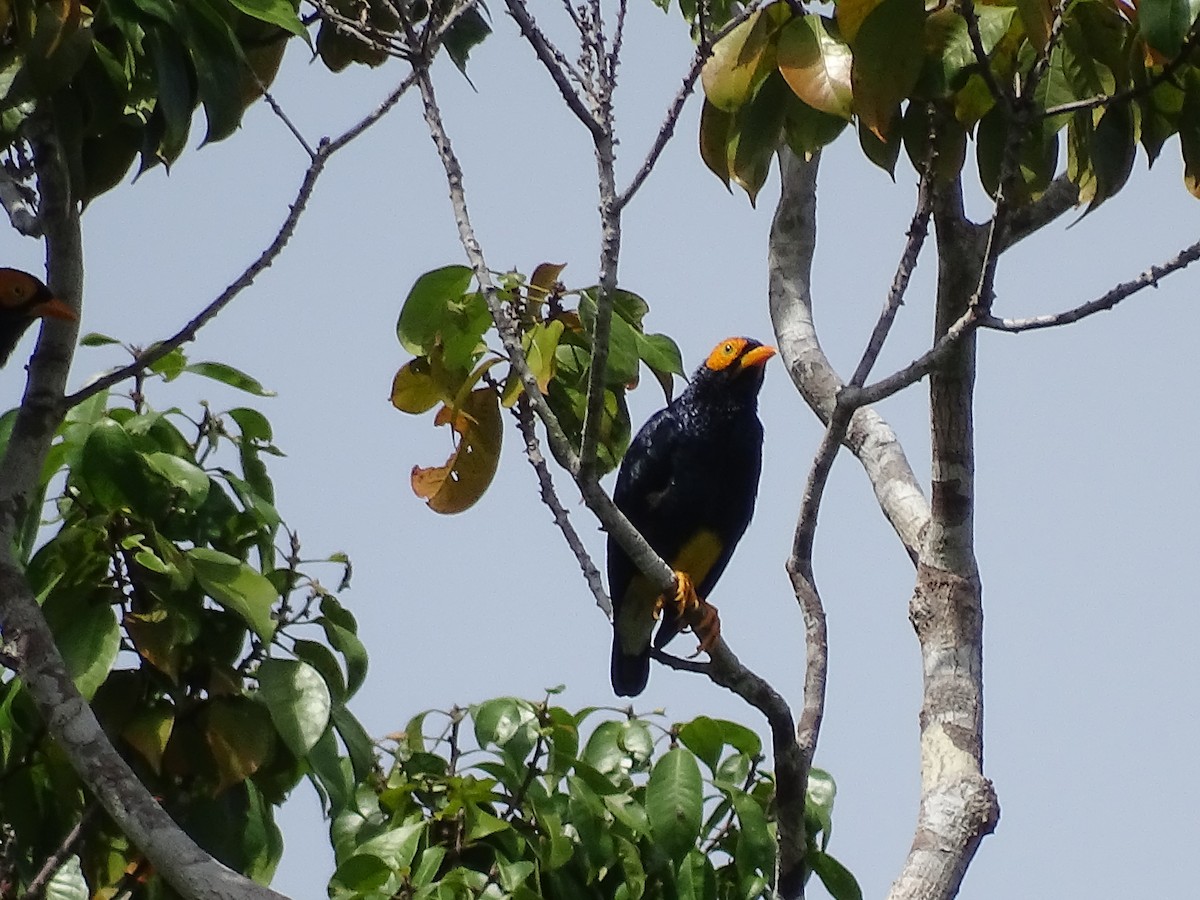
[[688, 484], [24, 298]]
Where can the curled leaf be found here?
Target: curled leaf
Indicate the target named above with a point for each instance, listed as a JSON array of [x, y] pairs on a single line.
[[457, 485]]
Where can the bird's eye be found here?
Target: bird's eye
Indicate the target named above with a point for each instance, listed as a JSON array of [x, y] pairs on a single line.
[[729, 348]]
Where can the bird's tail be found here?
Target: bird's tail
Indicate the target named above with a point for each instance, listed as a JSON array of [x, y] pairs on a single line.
[[630, 671]]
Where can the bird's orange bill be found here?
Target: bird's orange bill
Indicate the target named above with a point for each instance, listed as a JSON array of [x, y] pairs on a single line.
[[54, 309], [758, 356]]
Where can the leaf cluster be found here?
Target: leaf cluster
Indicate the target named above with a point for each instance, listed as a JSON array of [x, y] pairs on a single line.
[[216, 661], [546, 803], [1111, 75], [368, 32], [445, 322]]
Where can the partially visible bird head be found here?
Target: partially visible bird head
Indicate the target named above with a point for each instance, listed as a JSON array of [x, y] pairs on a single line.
[[24, 298], [734, 370]]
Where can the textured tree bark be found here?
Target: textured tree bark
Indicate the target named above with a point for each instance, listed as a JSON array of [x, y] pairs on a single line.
[[958, 806], [27, 642], [869, 437]]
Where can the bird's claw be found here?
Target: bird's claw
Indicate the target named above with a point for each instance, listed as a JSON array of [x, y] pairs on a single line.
[[706, 625]]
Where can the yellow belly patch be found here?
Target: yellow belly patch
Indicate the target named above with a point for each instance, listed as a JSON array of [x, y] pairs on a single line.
[[636, 622]]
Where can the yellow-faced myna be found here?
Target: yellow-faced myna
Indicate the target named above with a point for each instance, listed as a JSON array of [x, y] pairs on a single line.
[[687, 483], [22, 299]]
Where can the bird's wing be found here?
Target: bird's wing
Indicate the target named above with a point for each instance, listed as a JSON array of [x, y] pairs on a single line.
[[645, 475]]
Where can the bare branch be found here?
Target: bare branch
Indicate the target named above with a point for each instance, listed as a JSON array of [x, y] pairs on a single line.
[[1108, 300], [533, 453], [61, 854], [555, 64], [667, 130], [1060, 196], [266, 258], [27, 638], [869, 437], [1003, 96]]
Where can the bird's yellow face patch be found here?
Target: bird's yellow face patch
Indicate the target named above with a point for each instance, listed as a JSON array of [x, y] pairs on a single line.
[[726, 353], [738, 352]]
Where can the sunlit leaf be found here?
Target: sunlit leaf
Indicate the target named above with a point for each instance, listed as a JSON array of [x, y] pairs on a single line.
[[414, 389], [239, 736], [87, 635], [179, 473], [237, 587], [740, 61], [425, 307], [674, 802], [816, 65], [457, 485], [226, 374], [298, 699], [850, 16]]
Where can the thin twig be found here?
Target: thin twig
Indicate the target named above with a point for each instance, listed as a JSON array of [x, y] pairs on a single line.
[[555, 64], [667, 130], [562, 519], [63, 852], [1004, 97], [1106, 301]]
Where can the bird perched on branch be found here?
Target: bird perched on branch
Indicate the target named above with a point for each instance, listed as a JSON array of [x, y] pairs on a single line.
[[688, 484], [24, 298]]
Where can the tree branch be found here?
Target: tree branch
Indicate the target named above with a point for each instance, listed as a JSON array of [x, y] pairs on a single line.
[[27, 638], [533, 453], [958, 806], [1106, 301]]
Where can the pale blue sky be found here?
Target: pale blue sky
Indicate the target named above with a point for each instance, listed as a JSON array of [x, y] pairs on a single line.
[[1087, 487]]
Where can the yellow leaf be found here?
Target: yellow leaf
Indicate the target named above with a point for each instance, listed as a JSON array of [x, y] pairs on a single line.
[[543, 279], [850, 15], [414, 389], [457, 485], [240, 736], [816, 65], [742, 59], [148, 733]]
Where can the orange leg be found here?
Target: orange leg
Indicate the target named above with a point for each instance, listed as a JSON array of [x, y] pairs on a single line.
[[693, 611]]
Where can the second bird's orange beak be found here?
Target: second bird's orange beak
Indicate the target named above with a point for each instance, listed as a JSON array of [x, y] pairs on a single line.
[[54, 309], [758, 356]]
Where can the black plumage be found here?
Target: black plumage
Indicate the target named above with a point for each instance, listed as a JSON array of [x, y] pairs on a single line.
[[688, 483]]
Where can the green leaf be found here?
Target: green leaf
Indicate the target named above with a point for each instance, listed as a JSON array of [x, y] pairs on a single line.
[[415, 390], [715, 125], [180, 473], [341, 630], [397, 846], [67, 882], [756, 133], [237, 587], [883, 153], [674, 802], [426, 305], [229, 375], [275, 12], [948, 42], [87, 635], [740, 61], [837, 879], [96, 339], [298, 699], [362, 875], [755, 844], [467, 32], [703, 736], [889, 51], [740, 737], [359, 745], [111, 467], [1164, 24], [816, 65]]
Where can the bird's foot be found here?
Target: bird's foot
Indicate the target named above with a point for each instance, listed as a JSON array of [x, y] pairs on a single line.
[[705, 625]]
